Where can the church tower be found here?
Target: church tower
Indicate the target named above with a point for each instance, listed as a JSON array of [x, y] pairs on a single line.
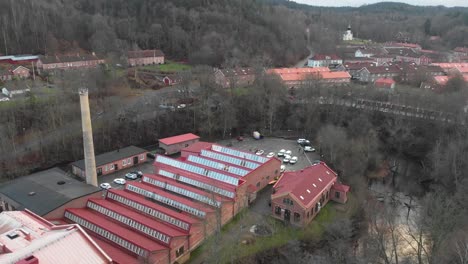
[[348, 35]]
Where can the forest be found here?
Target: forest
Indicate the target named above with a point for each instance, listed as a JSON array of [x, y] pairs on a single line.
[[44, 131]]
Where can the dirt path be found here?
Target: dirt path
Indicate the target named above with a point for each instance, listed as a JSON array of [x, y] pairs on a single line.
[[302, 62]]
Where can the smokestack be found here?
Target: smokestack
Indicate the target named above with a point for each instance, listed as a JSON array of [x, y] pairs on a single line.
[[90, 162]]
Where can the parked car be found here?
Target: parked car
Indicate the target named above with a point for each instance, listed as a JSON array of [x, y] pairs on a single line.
[[270, 155], [131, 176], [286, 159], [281, 153], [293, 160], [282, 168], [181, 106], [105, 186], [260, 152], [315, 162], [139, 174], [309, 149], [288, 152], [120, 181]]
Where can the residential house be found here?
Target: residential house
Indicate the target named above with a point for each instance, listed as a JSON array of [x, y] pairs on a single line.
[[411, 72], [409, 55], [371, 74], [27, 238], [324, 60], [68, 62], [386, 83], [383, 59], [354, 68], [45, 193], [367, 52], [21, 72], [145, 57], [113, 161], [298, 196], [234, 77], [175, 144]]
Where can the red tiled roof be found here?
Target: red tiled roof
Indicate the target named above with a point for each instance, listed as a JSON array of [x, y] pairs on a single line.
[[138, 217], [325, 57], [141, 200], [116, 229], [462, 70], [174, 197], [335, 75], [305, 185], [451, 65], [441, 80], [384, 69], [385, 81], [198, 146], [340, 187], [461, 49], [178, 139], [145, 54], [238, 72]]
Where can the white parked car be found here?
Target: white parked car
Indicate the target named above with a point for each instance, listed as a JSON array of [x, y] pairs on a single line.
[[181, 106], [281, 153], [309, 149], [270, 155], [301, 140], [293, 160], [105, 186], [259, 152], [288, 152], [283, 168], [131, 176], [286, 159], [119, 181]]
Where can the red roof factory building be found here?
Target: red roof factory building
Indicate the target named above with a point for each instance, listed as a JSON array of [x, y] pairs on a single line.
[[298, 196], [174, 144]]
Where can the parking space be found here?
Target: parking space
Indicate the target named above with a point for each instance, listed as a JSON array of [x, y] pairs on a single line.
[[109, 178], [275, 145]]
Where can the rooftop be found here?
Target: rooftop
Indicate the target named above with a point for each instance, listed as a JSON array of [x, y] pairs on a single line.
[[23, 234], [335, 75], [325, 57], [178, 139], [305, 185], [112, 156], [238, 72], [145, 53], [45, 191], [383, 69], [68, 58]]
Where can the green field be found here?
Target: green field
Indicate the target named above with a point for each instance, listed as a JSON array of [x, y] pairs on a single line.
[[169, 66]]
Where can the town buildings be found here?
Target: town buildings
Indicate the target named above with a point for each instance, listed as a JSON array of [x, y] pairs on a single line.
[[26, 238], [175, 144], [8, 73], [298, 196], [234, 77], [371, 74], [46, 193], [68, 61], [113, 161], [295, 77], [324, 60], [145, 57]]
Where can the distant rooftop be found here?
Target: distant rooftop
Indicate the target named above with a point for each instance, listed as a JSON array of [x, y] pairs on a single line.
[[44, 191], [112, 156]]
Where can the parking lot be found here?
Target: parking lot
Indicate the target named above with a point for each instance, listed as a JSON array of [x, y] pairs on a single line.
[[145, 168], [274, 145]]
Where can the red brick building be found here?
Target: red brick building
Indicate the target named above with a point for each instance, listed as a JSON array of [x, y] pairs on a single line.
[[68, 61], [145, 57], [386, 83], [113, 161], [169, 213], [298, 196], [174, 144]]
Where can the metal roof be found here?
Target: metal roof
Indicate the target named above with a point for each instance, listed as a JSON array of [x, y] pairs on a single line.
[[41, 193], [109, 157], [178, 139]]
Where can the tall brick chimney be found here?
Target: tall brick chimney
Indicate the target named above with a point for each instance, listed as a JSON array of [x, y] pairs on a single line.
[[90, 162]]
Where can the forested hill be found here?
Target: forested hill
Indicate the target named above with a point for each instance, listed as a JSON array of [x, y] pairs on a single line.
[[215, 32]]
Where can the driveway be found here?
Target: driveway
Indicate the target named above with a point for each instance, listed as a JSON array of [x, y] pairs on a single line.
[[146, 167], [302, 62]]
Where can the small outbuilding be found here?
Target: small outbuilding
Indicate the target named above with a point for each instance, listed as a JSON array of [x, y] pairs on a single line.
[[175, 144], [113, 161], [387, 83]]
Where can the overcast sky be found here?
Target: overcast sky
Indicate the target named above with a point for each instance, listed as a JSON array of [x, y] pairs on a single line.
[[448, 3]]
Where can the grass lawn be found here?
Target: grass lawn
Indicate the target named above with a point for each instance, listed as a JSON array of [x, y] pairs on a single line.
[[359, 41], [169, 66]]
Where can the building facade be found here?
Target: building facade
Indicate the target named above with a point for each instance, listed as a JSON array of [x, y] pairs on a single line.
[[324, 60], [145, 57], [371, 74], [113, 161], [234, 77], [68, 62]]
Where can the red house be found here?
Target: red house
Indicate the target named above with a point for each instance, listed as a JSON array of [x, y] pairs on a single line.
[[174, 144], [387, 83], [69, 61], [298, 196]]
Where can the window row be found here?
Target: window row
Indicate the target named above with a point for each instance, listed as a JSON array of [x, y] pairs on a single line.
[[166, 200], [237, 153], [150, 211], [196, 183], [218, 165], [104, 233], [126, 162], [229, 159], [184, 192], [130, 222]]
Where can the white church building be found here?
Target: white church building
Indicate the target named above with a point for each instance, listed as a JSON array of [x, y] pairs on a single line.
[[348, 35]]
